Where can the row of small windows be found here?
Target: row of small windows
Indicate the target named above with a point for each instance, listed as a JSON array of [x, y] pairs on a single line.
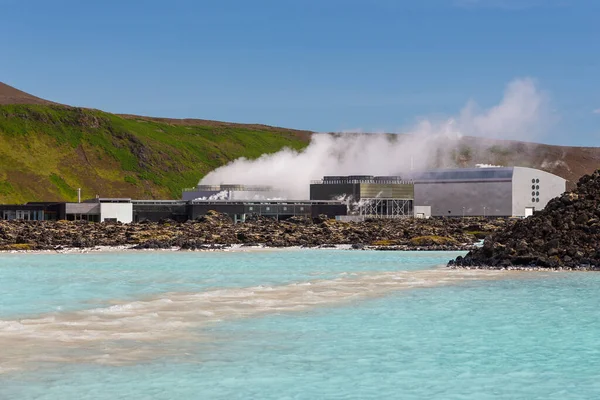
[[535, 190], [269, 208]]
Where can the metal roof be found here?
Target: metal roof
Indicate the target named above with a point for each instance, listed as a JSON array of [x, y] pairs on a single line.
[[352, 179], [252, 202], [465, 174]]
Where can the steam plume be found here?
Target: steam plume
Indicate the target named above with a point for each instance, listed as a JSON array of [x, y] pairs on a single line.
[[520, 114]]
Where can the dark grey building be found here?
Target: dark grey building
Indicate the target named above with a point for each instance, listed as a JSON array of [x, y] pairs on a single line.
[[127, 210], [280, 209], [179, 210], [32, 211], [155, 210], [367, 195]]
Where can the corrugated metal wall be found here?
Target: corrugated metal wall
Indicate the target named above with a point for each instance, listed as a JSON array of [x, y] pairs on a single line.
[[362, 190], [465, 198], [387, 191]]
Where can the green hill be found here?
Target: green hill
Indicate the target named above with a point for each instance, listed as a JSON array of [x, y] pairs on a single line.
[[48, 151]]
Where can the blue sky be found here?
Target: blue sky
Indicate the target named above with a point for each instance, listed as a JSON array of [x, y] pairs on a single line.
[[322, 65]]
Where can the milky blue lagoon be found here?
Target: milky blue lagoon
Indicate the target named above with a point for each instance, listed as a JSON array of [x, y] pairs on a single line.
[[292, 324]]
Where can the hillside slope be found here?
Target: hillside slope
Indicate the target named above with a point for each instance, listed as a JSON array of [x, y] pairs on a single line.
[[11, 95], [47, 152]]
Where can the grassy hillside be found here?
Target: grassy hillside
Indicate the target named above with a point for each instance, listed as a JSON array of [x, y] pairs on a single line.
[[48, 151]]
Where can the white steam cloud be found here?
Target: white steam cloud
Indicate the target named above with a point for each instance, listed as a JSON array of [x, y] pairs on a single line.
[[521, 114]]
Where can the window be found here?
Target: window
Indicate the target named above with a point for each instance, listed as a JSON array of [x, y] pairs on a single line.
[[532, 187], [250, 208], [533, 181], [537, 181], [537, 187], [537, 193], [533, 193], [533, 200]]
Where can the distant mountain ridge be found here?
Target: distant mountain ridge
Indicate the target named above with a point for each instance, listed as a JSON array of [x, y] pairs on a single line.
[[48, 150]]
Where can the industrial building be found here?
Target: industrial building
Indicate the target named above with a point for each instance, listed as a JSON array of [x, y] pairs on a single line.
[[94, 210], [277, 209], [493, 192], [127, 210], [367, 195], [465, 192], [30, 211], [179, 210]]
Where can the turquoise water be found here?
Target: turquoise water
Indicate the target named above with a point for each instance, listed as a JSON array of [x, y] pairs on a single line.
[[441, 336], [34, 283]]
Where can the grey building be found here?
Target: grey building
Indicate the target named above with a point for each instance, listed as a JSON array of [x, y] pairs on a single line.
[[498, 191], [367, 195]]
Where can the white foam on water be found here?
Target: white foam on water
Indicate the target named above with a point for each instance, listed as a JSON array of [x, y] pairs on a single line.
[[130, 331]]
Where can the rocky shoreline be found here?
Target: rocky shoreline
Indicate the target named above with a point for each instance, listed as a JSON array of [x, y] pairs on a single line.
[[582, 268], [563, 236], [218, 232]]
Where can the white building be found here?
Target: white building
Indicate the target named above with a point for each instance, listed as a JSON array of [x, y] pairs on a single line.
[[101, 210]]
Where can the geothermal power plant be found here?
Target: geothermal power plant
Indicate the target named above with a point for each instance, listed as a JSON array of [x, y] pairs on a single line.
[[465, 192]]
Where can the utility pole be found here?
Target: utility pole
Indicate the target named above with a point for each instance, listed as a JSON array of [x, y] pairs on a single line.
[[79, 195]]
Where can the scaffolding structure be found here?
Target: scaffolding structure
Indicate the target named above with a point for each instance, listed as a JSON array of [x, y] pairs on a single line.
[[385, 208]]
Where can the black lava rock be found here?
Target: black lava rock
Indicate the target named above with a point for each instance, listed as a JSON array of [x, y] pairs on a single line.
[[565, 235]]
